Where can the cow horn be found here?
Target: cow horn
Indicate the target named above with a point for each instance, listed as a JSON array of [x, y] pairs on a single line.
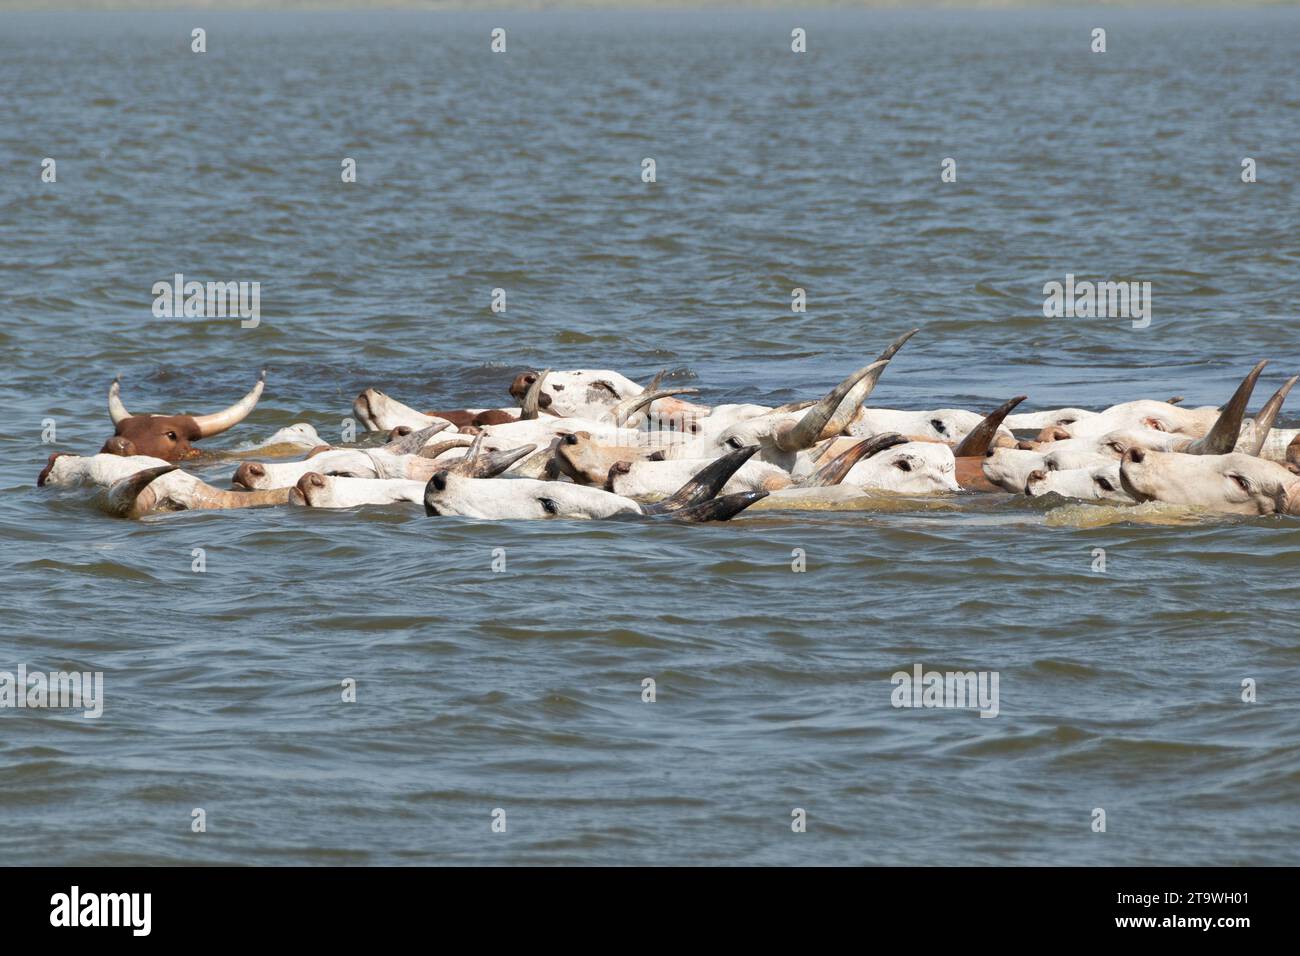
[[723, 508], [414, 442], [705, 484], [116, 410], [980, 438], [1223, 437], [219, 422], [433, 451], [833, 472], [1267, 416], [528, 407], [493, 463], [806, 432], [630, 406], [895, 345]]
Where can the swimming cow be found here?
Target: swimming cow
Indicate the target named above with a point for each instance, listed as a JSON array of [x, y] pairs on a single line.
[[169, 437]]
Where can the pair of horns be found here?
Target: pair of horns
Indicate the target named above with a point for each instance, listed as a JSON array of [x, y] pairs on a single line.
[[476, 464], [1225, 434], [835, 412], [209, 425]]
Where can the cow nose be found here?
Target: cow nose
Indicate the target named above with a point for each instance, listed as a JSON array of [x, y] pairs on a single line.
[[1135, 455], [309, 481], [401, 431], [117, 445], [571, 439], [248, 473], [440, 481], [1036, 475]]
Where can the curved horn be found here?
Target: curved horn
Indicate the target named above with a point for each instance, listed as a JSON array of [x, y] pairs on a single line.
[[219, 422], [807, 430], [654, 382], [789, 407], [705, 484], [1267, 416], [433, 451], [493, 463], [723, 508], [116, 410], [895, 345], [414, 442], [630, 406], [980, 438], [528, 407], [833, 472], [465, 465], [1222, 438]]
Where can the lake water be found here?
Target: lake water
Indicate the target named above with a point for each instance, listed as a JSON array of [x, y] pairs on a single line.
[[523, 690]]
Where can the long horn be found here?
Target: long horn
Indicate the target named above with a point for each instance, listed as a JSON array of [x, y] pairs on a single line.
[[895, 345], [116, 410], [884, 356], [414, 442], [1268, 415], [978, 440], [833, 472], [528, 407], [705, 484], [793, 407], [719, 509], [1222, 438], [654, 382], [433, 451], [493, 463], [630, 406], [466, 463], [807, 430], [219, 422]]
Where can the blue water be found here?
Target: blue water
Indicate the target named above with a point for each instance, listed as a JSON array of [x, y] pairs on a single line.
[[522, 690]]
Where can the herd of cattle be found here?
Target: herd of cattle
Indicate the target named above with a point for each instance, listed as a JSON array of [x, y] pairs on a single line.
[[594, 444]]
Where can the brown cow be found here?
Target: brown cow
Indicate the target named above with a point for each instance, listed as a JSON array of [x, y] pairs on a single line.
[[169, 436]]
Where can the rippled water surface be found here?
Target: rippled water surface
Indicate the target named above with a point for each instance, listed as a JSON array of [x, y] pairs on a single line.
[[522, 690]]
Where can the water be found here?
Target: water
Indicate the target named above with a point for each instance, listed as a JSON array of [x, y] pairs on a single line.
[[522, 690]]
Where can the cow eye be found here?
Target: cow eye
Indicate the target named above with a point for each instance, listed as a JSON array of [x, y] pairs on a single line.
[[1104, 484], [549, 506], [1116, 447], [171, 435], [902, 464], [734, 443], [1242, 482]]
